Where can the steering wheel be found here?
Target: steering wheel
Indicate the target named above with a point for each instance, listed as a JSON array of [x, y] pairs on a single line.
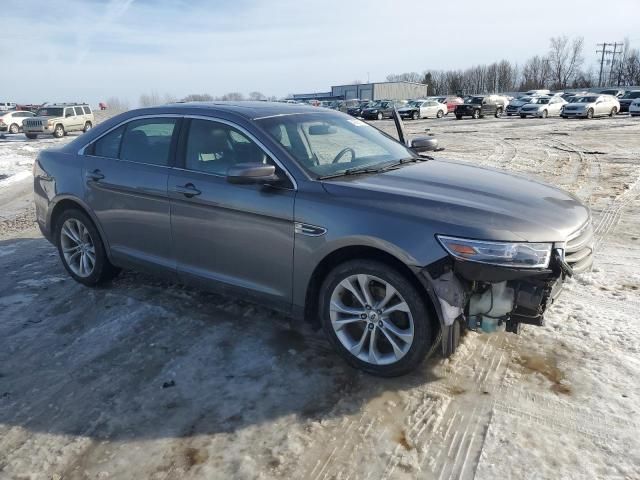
[[342, 152]]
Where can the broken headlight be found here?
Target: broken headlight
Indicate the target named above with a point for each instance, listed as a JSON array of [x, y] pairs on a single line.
[[504, 254]]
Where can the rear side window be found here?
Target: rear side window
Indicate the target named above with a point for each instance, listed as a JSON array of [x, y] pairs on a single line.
[[86, 109], [109, 145], [78, 110], [148, 141]]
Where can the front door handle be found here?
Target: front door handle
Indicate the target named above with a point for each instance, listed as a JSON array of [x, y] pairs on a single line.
[[95, 175], [189, 190]]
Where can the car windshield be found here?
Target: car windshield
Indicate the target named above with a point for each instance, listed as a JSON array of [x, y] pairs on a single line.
[[385, 104], [525, 99], [49, 112], [587, 99], [635, 94], [331, 143], [414, 103]]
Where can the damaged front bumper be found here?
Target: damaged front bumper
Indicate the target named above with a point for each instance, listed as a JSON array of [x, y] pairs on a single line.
[[490, 298]]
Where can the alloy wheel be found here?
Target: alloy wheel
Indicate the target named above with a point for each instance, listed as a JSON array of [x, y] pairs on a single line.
[[78, 248], [371, 319]]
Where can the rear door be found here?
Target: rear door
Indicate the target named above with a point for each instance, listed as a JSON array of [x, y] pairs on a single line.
[[236, 238], [126, 186], [71, 120]]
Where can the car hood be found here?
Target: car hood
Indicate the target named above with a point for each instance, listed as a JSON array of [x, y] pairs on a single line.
[[45, 118], [466, 200]]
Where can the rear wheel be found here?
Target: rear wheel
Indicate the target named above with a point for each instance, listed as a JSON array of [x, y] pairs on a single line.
[[545, 114], [375, 317], [87, 127], [440, 114], [523, 116], [498, 113], [476, 114], [613, 112], [81, 249], [14, 128], [58, 132], [458, 117]]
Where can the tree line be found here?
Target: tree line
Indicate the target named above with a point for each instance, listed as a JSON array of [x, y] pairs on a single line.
[[561, 68], [154, 98]]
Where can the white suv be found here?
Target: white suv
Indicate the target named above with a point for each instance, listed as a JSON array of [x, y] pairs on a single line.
[[59, 119], [6, 106]]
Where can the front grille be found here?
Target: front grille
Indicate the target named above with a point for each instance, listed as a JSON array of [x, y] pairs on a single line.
[[32, 123], [578, 251], [529, 109]]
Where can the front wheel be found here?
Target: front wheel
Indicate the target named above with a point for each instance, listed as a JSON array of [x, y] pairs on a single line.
[[14, 128], [476, 114], [523, 116], [590, 113], [375, 318], [415, 115], [458, 117], [613, 112], [440, 114], [380, 116], [81, 249], [545, 114], [58, 132]]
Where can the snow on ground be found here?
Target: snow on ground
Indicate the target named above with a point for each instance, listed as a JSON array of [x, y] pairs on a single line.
[[144, 379]]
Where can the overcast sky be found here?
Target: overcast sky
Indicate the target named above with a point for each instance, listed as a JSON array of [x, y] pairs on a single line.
[[89, 50]]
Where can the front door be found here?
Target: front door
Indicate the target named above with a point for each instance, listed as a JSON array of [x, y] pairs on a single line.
[[235, 238], [126, 186]]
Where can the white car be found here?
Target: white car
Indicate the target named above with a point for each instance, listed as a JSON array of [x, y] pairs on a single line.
[[422, 109], [12, 121], [634, 108], [6, 106], [543, 107], [592, 105]]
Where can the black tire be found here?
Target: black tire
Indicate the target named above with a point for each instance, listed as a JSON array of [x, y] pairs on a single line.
[[87, 127], [590, 113], [103, 270], [523, 116], [451, 339], [31, 136], [613, 112], [440, 114], [415, 115], [458, 117], [380, 116], [476, 114], [58, 131], [498, 113], [423, 330], [14, 128], [545, 114]]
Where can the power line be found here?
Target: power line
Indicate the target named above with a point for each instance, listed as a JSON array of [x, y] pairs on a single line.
[[605, 52]]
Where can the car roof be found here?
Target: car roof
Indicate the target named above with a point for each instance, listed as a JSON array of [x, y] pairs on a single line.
[[248, 109]]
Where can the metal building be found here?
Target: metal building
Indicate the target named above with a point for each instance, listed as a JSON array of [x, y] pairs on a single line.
[[370, 91]]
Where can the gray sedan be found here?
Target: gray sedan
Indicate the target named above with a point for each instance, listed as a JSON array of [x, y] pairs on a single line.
[[317, 214]]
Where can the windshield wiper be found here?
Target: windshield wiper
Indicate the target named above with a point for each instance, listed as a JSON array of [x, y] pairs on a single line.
[[368, 169]]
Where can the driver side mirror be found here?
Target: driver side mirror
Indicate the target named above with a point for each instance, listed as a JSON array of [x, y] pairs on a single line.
[[423, 144], [252, 173]]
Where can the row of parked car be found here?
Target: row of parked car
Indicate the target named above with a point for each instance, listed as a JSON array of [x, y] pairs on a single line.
[[56, 119]]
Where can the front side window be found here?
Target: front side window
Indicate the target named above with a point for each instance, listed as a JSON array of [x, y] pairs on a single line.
[[69, 112], [214, 147], [148, 141], [327, 144], [109, 145]]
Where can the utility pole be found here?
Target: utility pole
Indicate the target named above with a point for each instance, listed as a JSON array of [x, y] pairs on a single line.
[[604, 51], [613, 60]]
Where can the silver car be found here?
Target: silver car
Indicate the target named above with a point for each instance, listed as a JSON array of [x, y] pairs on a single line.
[[543, 107], [591, 105], [317, 214]]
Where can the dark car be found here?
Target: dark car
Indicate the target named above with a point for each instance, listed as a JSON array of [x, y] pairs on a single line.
[[317, 214], [627, 99], [356, 110], [379, 110], [479, 107], [616, 92]]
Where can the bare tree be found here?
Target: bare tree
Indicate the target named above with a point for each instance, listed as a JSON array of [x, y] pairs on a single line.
[[256, 96], [118, 104], [536, 73], [565, 59], [232, 96], [150, 99], [198, 97], [405, 77]]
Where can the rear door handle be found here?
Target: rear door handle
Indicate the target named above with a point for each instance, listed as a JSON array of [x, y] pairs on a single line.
[[189, 190], [95, 175]]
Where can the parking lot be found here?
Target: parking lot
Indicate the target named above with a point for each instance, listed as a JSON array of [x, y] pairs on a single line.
[[143, 379]]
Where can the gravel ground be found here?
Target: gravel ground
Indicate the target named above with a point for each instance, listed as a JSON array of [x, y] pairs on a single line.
[[143, 379]]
